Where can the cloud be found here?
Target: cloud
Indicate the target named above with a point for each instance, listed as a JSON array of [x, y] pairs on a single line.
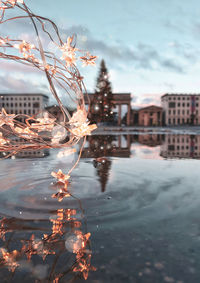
[[10, 83], [148, 100], [141, 56], [121, 56]]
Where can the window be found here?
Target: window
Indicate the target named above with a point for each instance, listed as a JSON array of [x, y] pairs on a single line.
[[197, 104], [174, 112], [183, 98], [16, 104], [36, 105], [171, 147], [183, 112], [179, 104], [183, 104], [179, 98], [169, 112], [172, 104], [188, 104], [29, 104], [24, 104]]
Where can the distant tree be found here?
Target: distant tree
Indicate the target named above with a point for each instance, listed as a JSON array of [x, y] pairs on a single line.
[[101, 104]]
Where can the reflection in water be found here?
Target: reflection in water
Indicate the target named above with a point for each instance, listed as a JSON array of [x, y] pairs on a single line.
[[103, 166], [39, 153], [61, 250], [103, 147], [33, 153], [181, 146], [144, 218]]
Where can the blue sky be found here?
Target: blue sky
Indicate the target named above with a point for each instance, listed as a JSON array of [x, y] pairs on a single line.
[[150, 47]]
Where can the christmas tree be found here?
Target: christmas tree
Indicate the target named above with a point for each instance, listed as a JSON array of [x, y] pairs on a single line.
[[101, 104]]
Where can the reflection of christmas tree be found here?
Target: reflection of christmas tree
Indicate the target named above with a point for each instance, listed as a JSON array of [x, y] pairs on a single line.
[[102, 146], [103, 166], [101, 104]]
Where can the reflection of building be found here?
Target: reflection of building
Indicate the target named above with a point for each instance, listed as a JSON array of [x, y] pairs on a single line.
[[181, 146], [108, 146], [180, 109], [39, 153], [23, 103], [150, 116], [33, 153], [119, 99], [150, 139]]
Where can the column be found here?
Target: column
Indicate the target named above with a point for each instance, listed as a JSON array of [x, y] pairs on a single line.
[[119, 141], [119, 114], [128, 115], [128, 142]]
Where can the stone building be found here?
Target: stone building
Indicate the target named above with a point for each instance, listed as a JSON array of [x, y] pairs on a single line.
[[23, 103], [181, 109], [150, 116]]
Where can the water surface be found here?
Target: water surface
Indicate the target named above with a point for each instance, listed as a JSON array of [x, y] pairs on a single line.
[[137, 195]]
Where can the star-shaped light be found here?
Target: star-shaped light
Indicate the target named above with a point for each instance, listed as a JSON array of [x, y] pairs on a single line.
[[6, 119]]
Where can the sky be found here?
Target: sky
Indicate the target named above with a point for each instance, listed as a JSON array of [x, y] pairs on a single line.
[[150, 47]]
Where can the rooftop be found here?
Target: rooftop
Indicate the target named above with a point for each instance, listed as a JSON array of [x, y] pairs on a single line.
[[151, 107], [23, 94], [180, 94]]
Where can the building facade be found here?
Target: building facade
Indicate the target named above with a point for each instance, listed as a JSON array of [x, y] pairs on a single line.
[[181, 109], [25, 103], [150, 116]]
